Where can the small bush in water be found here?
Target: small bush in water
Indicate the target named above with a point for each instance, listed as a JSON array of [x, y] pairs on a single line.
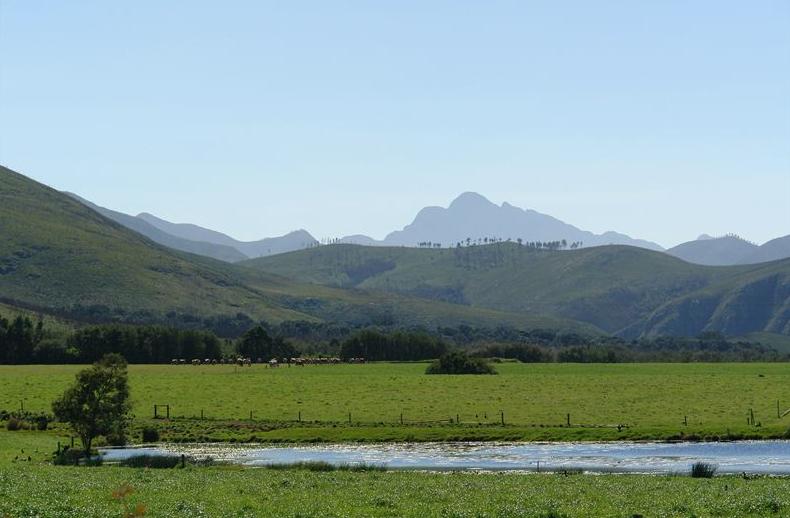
[[703, 470]]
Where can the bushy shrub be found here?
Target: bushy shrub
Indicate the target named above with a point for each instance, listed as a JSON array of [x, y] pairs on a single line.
[[458, 362], [703, 470], [14, 424], [42, 423], [150, 434]]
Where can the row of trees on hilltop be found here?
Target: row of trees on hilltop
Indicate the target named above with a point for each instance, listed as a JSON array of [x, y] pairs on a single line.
[[560, 244]]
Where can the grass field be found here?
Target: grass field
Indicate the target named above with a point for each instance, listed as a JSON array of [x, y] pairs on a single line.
[[650, 400], [36, 488]]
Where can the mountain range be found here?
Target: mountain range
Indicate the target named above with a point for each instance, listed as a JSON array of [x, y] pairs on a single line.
[[60, 256], [470, 218]]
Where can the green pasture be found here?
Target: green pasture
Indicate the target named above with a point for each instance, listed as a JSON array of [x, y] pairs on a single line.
[[649, 400]]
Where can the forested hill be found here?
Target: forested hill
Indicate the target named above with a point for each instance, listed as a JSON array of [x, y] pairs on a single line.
[[59, 256], [621, 289]]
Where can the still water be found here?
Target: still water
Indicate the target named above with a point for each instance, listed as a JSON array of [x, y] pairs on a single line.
[[764, 457]]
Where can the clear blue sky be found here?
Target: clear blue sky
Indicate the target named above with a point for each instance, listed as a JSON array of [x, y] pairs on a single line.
[[660, 119]]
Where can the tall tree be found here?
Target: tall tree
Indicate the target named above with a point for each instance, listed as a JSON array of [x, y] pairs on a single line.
[[98, 401]]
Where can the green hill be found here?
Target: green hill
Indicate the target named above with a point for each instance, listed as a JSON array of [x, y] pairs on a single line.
[[620, 289], [57, 254]]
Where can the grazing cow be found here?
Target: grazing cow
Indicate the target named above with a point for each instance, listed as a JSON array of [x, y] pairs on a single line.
[[195, 362], [182, 361], [273, 363], [173, 362]]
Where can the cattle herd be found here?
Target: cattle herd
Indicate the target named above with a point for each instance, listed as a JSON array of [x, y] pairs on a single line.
[[241, 361]]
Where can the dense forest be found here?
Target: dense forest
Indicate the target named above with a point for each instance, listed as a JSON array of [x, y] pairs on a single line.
[[25, 341]]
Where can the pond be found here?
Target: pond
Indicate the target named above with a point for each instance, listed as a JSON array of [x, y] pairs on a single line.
[[753, 457]]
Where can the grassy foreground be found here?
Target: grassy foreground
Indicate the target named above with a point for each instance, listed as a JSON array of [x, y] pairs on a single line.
[[30, 486], [651, 401], [35, 488], [51, 491]]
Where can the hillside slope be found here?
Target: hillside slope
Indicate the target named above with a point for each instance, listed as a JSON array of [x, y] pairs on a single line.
[[772, 250], [620, 289], [141, 226], [57, 254], [729, 250], [296, 240], [719, 251]]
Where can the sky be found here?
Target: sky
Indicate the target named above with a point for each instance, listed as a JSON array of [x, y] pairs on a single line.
[[661, 120]]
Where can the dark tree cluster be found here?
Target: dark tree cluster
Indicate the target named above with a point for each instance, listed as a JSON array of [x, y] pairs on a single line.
[[258, 343], [19, 340], [709, 347], [397, 346], [141, 344]]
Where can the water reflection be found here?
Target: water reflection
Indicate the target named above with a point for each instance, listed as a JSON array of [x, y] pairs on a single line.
[[764, 457]]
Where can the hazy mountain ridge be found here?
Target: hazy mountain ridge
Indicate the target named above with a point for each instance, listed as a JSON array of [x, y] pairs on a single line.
[[470, 218], [187, 237], [295, 240], [730, 250], [140, 225], [473, 216]]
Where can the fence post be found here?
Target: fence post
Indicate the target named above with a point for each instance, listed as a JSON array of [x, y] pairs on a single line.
[[168, 411], [778, 415], [299, 418], [502, 415], [401, 418], [685, 420], [568, 419], [155, 412], [250, 415], [457, 419], [349, 418], [201, 414]]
